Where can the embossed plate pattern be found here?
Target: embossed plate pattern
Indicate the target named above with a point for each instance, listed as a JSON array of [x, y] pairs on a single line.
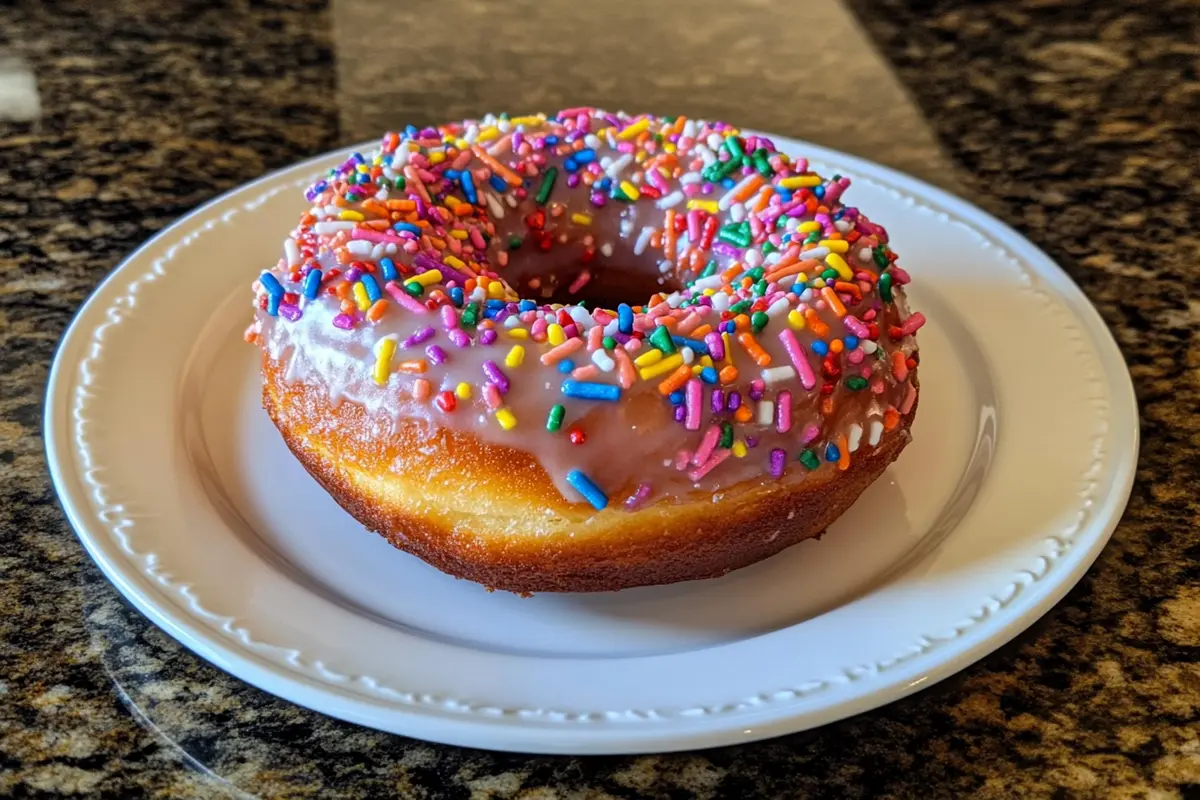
[[182, 492]]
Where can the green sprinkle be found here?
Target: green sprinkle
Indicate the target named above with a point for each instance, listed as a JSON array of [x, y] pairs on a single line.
[[543, 192], [829, 274], [400, 183], [726, 440], [661, 338], [760, 288], [809, 459], [470, 315], [734, 146], [554, 419], [758, 321], [738, 308], [880, 256], [736, 233], [885, 287], [768, 248], [415, 289], [813, 237], [755, 274], [710, 269], [856, 383], [514, 242], [608, 342], [352, 197]]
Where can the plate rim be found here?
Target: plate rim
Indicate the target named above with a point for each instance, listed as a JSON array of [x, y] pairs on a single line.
[[514, 735]]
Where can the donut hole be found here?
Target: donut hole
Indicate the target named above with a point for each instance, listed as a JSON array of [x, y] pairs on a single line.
[[606, 286]]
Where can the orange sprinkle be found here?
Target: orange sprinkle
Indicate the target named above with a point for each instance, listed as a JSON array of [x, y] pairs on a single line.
[[793, 268], [891, 418], [750, 188], [702, 331], [743, 414], [669, 232], [827, 406], [348, 306], [849, 288], [675, 380], [421, 389], [833, 300], [626, 374], [843, 453], [413, 367], [343, 290], [815, 324], [728, 375], [764, 198], [377, 310], [751, 345], [504, 172], [741, 322]]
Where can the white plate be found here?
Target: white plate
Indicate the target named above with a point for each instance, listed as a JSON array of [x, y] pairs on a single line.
[[185, 495]]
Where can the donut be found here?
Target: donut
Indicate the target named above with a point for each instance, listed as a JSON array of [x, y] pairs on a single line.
[[587, 351]]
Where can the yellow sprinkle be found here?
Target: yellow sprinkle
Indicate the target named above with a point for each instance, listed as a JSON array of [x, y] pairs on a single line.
[[383, 361], [360, 297], [354, 216], [796, 319], [518, 333], [630, 190], [801, 277], [818, 283], [809, 227], [495, 289], [843, 269], [554, 334], [801, 181], [506, 418], [454, 261], [463, 391], [704, 205], [452, 202], [426, 278], [461, 144], [709, 292], [532, 119], [633, 130], [706, 361], [669, 147], [697, 369], [739, 449], [649, 357], [437, 156], [727, 340], [836, 245], [459, 234], [363, 168], [662, 367], [581, 219], [487, 134], [515, 356]]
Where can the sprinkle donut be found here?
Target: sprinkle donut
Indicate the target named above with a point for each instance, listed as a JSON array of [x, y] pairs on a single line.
[[587, 351]]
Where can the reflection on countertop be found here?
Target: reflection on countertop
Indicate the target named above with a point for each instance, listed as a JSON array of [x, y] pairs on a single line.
[[1073, 121]]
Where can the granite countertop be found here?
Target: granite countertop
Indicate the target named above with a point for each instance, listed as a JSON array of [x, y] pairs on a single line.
[[1077, 122]]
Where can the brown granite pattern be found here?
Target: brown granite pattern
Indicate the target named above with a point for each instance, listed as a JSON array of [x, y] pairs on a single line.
[[1075, 121]]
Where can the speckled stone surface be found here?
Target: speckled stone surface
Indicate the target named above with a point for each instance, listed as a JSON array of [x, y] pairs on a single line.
[[1078, 122]]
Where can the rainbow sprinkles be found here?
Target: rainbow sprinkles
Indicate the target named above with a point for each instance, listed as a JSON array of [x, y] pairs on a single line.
[[448, 278]]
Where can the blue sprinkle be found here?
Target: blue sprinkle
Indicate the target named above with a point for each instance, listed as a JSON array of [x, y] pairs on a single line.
[[590, 491], [676, 398], [784, 194], [498, 183], [696, 345], [468, 185], [271, 284], [588, 390], [586, 156], [388, 267], [490, 313], [819, 192], [571, 165], [368, 282], [407, 226], [551, 140], [273, 304], [728, 183], [851, 342], [625, 318], [832, 453], [602, 185], [456, 297], [526, 305], [312, 284], [451, 174], [566, 366], [820, 348], [411, 131], [708, 375], [494, 303]]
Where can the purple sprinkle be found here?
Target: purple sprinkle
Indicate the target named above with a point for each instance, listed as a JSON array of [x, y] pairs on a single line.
[[460, 337], [570, 330], [573, 180], [289, 312], [735, 401], [436, 354], [717, 401], [716, 345], [496, 376], [726, 249], [751, 441], [343, 321], [638, 497], [422, 335], [778, 460], [621, 338], [353, 274], [757, 387], [423, 263], [488, 336], [680, 413]]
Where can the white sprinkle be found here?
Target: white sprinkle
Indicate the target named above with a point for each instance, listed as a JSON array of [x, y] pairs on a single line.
[[606, 249], [766, 412], [875, 431], [706, 155], [618, 166], [669, 201], [495, 205], [714, 140], [291, 252], [332, 210], [865, 254], [778, 308], [603, 360], [689, 355], [842, 225], [690, 177], [377, 252], [711, 282], [592, 141], [868, 347], [753, 257], [382, 194], [816, 252], [332, 227], [643, 240], [774, 375], [472, 134], [675, 300], [689, 129], [391, 248], [737, 213], [359, 247], [855, 436], [612, 328], [582, 318], [512, 322], [720, 301]]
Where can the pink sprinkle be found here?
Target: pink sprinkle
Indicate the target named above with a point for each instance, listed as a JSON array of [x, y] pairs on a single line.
[[688, 324], [557, 354], [707, 445], [587, 372], [379, 237], [580, 281], [460, 337], [796, 353], [693, 401], [404, 298], [909, 399], [638, 497], [693, 219], [343, 321], [491, 396], [783, 412], [449, 318], [698, 474], [913, 324], [855, 326], [810, 432], [538, 329], [716, 345]]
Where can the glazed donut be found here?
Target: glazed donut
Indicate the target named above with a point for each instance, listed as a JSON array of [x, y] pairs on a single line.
[[588, 351]]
